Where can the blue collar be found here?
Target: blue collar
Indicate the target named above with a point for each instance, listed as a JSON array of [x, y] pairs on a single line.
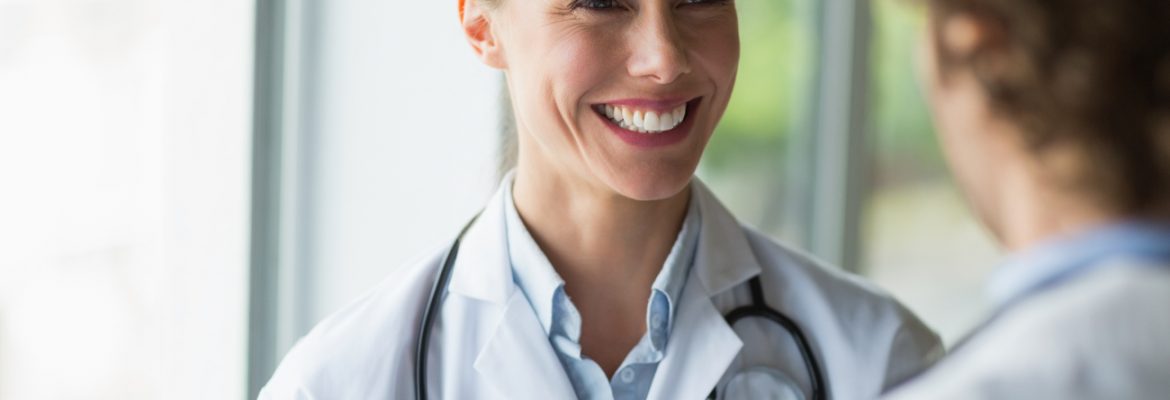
[[1063, 258]]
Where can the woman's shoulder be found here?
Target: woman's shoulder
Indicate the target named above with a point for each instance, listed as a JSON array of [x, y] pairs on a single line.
[[797, 268], [784, 259], [1038, 345], [794, 269], [372, 333], [851, 305]]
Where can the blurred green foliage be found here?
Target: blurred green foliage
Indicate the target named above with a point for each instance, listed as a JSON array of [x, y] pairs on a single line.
[[773, 86], [777, 74], [907, 149]]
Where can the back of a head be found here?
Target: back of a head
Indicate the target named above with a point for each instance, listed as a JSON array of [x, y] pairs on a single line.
[[1091, 75]]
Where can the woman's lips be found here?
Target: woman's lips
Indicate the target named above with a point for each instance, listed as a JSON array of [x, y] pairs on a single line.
[[649, 123]]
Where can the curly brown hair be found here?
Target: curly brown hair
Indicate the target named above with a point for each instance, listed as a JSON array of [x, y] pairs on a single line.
[[1094, 74]]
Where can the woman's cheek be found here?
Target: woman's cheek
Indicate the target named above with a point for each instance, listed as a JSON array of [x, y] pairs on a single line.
[[591, 65], [718, 49]]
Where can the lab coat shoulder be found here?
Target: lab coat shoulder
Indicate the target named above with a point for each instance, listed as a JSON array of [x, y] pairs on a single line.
[[1099, 336], [883, 334], [369, 340]]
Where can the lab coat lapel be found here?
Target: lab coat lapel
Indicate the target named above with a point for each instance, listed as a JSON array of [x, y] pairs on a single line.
[[702, 345], [482, 269], [724, 258], [519, 360], [700, 349]]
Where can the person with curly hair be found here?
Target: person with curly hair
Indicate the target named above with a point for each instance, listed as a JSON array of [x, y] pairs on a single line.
[[1055, 119]]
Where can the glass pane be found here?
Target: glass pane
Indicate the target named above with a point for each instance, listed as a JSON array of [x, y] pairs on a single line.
[[746, 161], [920, 240], [124, 143], [389, 173]]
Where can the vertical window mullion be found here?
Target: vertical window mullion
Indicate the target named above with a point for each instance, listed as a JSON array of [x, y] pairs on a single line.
[[837, 151], [276, 299]]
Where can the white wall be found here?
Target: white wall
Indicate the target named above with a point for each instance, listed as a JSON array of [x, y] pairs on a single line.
[[401, 131]]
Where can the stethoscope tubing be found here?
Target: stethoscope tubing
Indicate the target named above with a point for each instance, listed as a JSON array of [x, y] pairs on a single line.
[[759, 309], [432, 311]]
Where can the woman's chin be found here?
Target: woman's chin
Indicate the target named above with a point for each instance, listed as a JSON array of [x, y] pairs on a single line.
[[645, 176], [650, 185]]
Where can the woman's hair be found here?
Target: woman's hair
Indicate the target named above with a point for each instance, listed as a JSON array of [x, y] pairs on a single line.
[[1090, 75]]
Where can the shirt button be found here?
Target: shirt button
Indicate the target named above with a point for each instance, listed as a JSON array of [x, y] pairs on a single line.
[[627, 375]]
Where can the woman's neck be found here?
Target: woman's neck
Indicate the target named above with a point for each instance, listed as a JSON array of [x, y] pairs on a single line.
[[1032, 209], [608, 248], [592, 235]]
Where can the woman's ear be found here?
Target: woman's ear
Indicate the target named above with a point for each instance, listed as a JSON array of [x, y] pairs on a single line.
[[477, 26], [962, 35], [958, 44]]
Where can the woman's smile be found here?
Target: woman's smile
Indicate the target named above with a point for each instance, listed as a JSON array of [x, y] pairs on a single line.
[[648, 123]]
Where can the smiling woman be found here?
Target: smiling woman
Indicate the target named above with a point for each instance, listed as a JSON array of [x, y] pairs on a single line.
[[643, 62], [602, 268]]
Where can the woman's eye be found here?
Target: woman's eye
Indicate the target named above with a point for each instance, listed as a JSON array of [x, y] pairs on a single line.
[[597, 4]]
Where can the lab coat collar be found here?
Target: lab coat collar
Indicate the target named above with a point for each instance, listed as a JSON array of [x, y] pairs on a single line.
[[724, 258], [519, 360], [702, 345], [701, 348], [483, 270], [1065, 257]]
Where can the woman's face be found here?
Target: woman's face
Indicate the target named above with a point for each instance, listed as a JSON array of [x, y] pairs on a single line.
[[620, 94]]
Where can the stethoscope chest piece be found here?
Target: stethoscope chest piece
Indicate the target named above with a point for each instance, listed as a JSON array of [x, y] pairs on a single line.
[[761, 383]]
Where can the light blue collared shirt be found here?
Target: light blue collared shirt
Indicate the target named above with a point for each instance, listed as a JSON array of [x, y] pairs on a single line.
[[545, 290], [1063, 258]]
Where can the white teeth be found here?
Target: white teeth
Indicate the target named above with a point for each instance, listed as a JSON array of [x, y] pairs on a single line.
[[650, 122], [666, 120]]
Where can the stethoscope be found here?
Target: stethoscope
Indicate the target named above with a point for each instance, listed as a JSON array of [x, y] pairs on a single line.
[[757, 309]]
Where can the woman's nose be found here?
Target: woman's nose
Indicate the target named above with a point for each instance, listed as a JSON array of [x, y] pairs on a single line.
[[658, 52]]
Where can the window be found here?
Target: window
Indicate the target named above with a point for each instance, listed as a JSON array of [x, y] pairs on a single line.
[[383, 135], [123, 198], [748, 161], [915, 235]]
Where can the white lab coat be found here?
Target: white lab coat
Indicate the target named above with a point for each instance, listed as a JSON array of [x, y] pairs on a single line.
[[1102, 335], [488, 342]]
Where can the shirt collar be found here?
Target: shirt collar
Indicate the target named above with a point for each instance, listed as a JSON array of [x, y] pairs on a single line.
[[668, 286], [1063, 257], [535, 276]]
